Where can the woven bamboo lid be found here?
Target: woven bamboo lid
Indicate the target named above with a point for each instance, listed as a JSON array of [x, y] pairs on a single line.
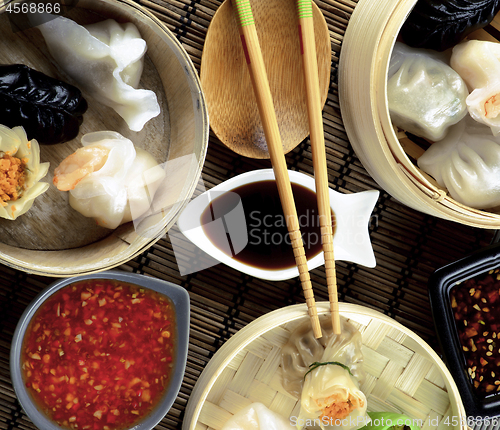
[[386, 154], [404, 374]]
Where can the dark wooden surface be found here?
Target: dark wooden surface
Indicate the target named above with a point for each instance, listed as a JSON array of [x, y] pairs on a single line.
[[408, 245]]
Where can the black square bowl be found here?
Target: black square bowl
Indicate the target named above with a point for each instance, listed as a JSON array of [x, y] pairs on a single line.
[[441, 283]]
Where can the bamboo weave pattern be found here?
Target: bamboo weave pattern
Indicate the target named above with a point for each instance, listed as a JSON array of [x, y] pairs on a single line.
[[400, 377]]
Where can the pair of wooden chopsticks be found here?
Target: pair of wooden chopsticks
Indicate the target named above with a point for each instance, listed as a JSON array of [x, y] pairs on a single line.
[[265, 106]]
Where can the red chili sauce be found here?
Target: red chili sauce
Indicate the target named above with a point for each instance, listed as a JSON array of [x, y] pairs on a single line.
[[98, 354], [476, 307]]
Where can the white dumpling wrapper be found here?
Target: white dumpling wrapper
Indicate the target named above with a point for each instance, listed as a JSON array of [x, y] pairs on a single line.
[[329, 384], [303, 349], [120, 190], [105, 59], [14, 142], [257, 417], [425, 95], [144, 178], [478, 62], [467, 164]]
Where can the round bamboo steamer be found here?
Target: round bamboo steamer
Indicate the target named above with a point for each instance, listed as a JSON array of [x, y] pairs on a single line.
[[363, 65], [51, 238], [403, 373]]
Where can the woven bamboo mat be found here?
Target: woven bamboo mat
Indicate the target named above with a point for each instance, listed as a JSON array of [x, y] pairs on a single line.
[[408, 245]]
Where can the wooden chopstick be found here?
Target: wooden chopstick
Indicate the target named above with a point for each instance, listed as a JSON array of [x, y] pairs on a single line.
[[260, 84], [317, 138]]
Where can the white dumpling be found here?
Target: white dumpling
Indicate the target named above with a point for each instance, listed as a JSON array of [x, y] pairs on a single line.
[[332, 398], [425, 95], [17, 193], [303, 349], [105, 59], [478, 62], [329, 393], [467, 163], [143, 180], [257, 417], [108, 179]]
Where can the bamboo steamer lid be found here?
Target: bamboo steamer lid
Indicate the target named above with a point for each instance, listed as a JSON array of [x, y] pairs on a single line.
[[363, 65], [52, 239]]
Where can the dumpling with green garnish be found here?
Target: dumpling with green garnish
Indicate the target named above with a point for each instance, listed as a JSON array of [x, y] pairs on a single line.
[[325, 374], [331, 396]]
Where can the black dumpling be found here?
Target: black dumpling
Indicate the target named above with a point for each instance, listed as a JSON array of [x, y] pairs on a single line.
[[440, 25], [49, 110]]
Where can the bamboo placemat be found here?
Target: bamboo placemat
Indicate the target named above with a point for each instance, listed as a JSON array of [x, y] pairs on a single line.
[[408, 245]]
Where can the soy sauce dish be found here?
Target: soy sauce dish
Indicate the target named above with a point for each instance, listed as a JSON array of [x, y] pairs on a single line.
[[240, 223], [465, 304], [102, 351]]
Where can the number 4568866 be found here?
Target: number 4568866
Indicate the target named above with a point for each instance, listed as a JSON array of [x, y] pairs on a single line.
[[33, 8]]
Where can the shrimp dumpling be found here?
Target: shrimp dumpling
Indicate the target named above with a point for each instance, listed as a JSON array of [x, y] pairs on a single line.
[[425, 95], [106, 60], [478, 62], [108, 179]]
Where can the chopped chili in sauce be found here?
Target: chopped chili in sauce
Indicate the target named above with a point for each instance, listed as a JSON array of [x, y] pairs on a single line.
[[476, 306], [98, 354]]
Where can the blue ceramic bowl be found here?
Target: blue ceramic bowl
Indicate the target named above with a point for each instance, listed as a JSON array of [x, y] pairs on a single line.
[[178, 296]]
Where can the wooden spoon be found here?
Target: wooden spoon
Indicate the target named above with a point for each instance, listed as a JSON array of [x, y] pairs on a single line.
[[225, 81]]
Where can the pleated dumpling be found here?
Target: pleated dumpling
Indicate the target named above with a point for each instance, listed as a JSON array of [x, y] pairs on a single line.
[[478, 62], [20, 172], [325, 375], [303, 349], [105, 60], [425, 95], [467, 163], [108, 179], [332, 398]]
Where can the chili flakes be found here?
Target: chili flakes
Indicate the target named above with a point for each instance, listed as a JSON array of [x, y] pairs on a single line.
[[475, 304]]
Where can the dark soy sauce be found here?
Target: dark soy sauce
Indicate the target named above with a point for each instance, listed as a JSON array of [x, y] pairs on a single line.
[[268, 244]]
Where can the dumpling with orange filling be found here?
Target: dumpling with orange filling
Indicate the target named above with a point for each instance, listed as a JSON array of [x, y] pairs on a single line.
[[331, 397], [325, 374], [20, 172], [478, 63]]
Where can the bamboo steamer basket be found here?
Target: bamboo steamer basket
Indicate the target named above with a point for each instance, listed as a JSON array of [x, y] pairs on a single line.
[[51, 238], [403, 374], [385, 152]]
